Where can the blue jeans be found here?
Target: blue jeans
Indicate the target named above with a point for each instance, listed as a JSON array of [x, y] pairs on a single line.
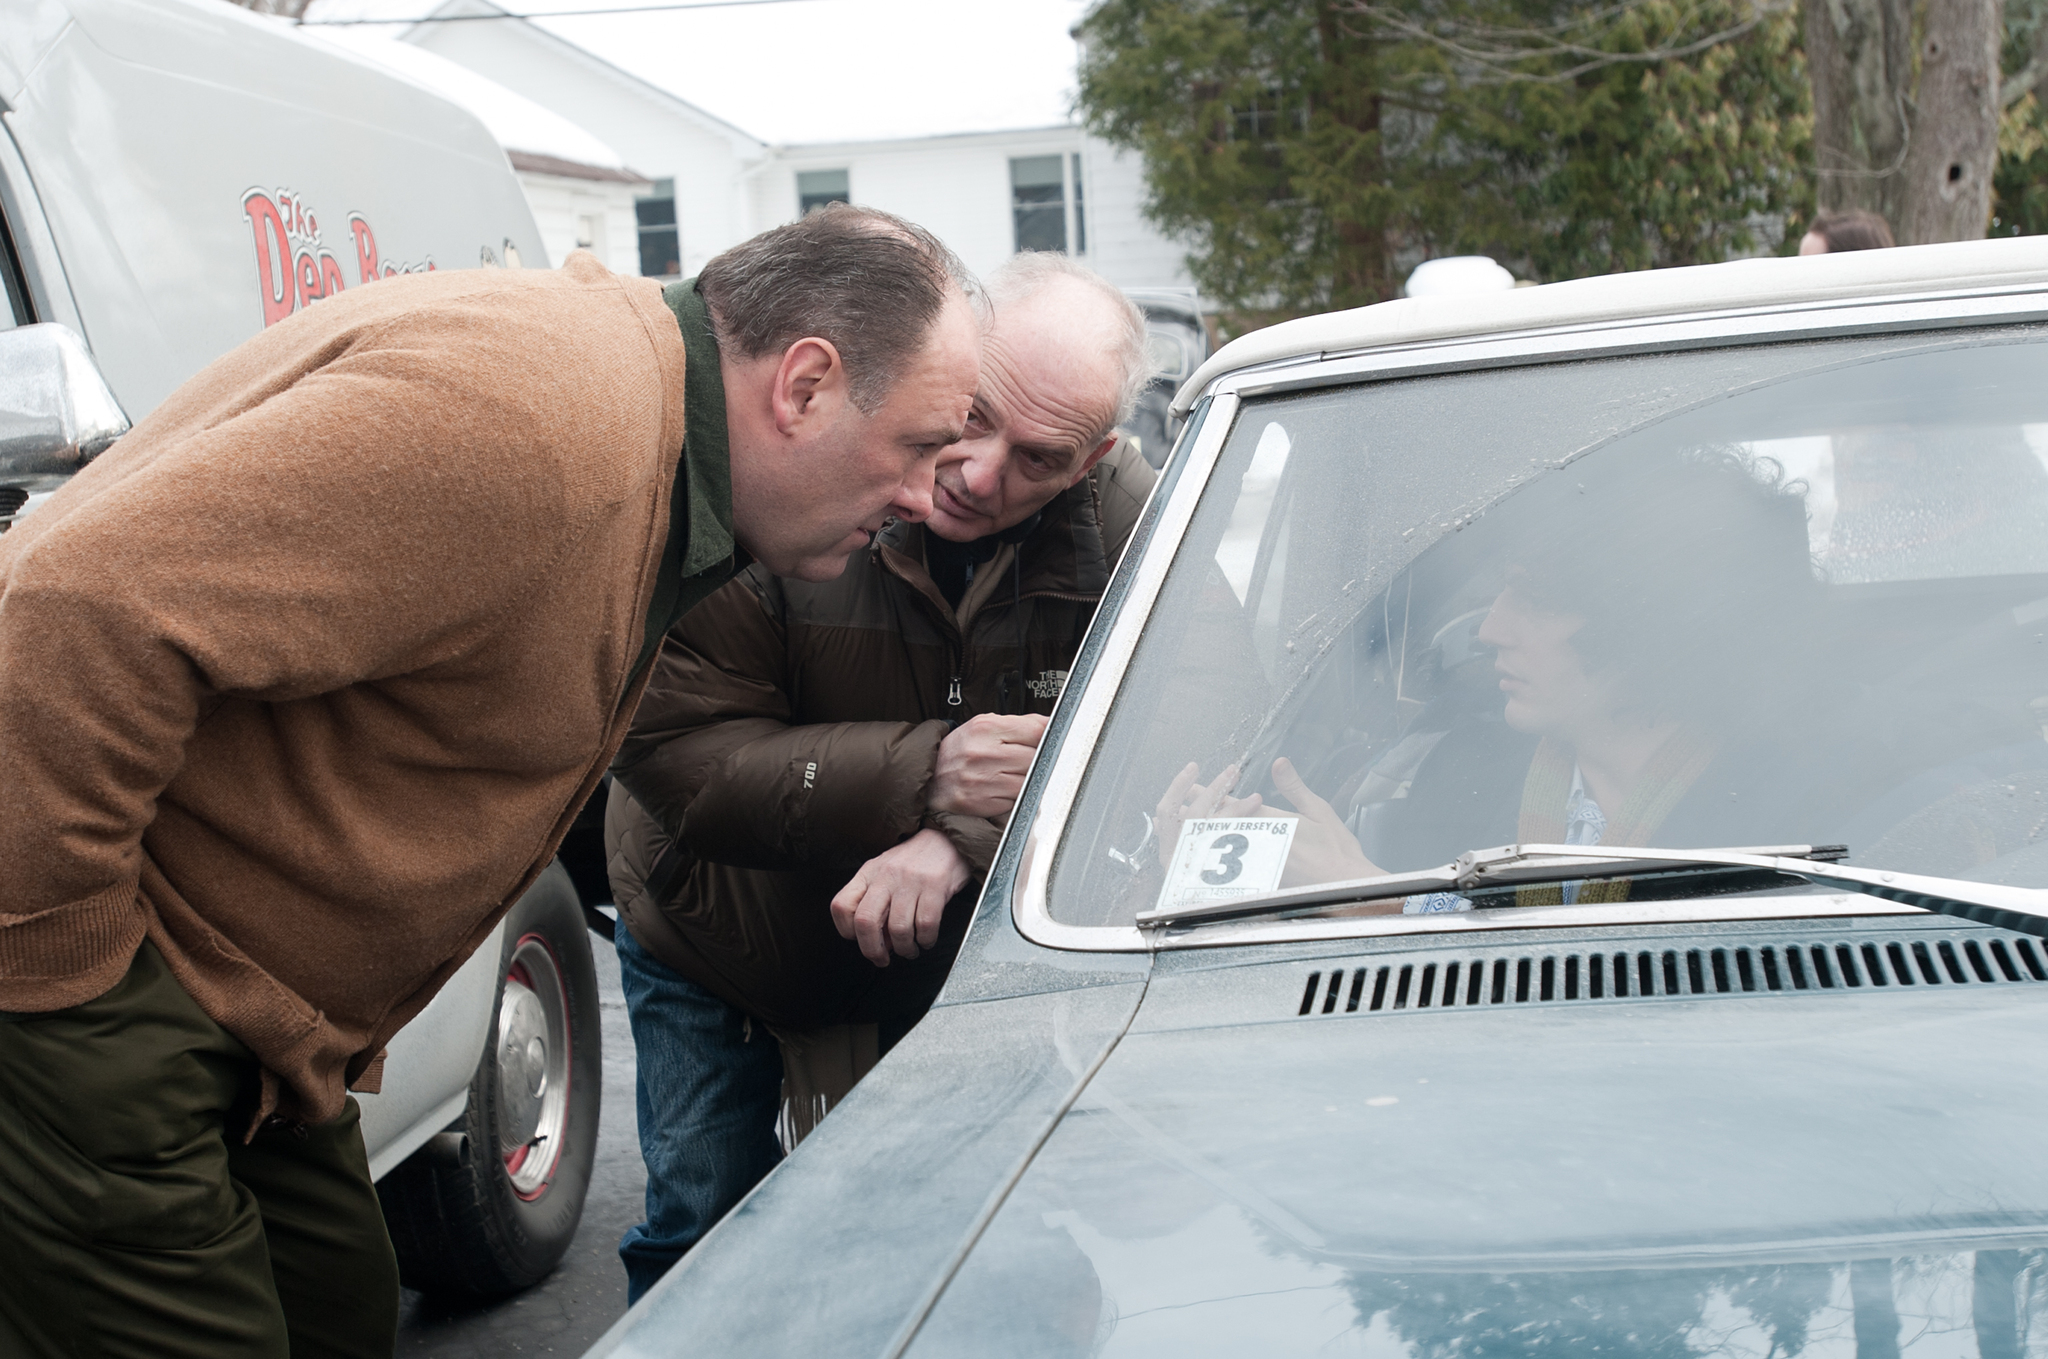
[[709, 1090]]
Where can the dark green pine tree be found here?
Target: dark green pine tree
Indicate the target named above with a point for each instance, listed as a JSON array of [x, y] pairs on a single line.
[[1309, 152]]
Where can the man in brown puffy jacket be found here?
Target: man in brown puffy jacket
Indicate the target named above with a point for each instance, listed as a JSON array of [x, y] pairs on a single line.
[[301, 683], [819, 772]]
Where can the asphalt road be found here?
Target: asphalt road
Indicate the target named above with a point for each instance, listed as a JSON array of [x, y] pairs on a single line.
[[575, 1305]]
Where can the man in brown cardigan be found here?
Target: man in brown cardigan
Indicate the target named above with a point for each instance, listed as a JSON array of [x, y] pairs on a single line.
[[301, 683], [873, 728]]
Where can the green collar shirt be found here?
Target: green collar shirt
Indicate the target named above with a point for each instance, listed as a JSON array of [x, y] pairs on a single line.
[[701, 553]]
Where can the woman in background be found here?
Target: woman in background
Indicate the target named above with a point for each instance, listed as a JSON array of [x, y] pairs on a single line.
[[1834, 232]]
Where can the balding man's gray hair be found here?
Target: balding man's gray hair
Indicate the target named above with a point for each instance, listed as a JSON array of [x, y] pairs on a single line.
[[1023, 275], [867, 281]]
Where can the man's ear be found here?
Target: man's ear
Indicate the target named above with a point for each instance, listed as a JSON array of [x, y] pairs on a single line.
[[810, 383], [1088, 463]]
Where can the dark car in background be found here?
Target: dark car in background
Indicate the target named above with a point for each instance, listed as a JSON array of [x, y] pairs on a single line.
[[1543, 852], [1176, 340]]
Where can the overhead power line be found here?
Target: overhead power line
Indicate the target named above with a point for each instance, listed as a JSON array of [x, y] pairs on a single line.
[[549, 13]]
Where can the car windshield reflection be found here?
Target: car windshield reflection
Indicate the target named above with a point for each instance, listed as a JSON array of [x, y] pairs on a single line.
[[1784, 594]]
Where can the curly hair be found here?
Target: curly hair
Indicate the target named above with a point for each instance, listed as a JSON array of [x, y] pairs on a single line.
[[1681, 561]]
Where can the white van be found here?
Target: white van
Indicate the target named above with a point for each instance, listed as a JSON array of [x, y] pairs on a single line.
[[176, 175]]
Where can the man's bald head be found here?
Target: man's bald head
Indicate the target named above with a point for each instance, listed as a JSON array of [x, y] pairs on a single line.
[[1062, 363], [1102, 319]]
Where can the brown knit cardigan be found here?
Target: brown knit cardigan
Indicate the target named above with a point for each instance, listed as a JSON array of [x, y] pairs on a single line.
[[304, 678]]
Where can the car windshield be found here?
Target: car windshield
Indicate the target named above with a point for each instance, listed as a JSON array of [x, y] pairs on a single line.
[[1779, 594]]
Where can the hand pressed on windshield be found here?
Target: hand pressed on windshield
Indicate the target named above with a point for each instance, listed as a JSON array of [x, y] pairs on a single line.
[[1189, 799], [1323, 849]]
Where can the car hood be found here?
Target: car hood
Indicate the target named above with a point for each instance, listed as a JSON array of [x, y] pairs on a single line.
[[1615, 1175], [1190, 1164]]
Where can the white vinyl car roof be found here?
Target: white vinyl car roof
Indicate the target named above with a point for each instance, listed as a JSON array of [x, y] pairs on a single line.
[[2014, 261]]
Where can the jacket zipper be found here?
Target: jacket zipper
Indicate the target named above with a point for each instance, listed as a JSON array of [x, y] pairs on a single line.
[[956, 656], [954, 694], [1068, 595]]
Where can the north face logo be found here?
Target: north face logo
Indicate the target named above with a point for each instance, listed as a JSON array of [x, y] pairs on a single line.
[[1048, 684]]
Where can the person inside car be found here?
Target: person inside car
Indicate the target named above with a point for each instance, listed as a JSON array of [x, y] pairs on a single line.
[[819, 774], [1625, 641]]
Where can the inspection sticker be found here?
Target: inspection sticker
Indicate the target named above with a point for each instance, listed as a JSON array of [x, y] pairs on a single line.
[[1225, 858]]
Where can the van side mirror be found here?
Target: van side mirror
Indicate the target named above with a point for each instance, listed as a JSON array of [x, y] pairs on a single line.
[[56, 412]]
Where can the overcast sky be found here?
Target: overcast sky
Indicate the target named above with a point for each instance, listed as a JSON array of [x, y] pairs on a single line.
[[835, 70]]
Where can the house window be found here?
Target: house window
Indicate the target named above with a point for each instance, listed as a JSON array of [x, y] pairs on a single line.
[[661, 250], [816, 188], [1038, 198], [1268, 122], [1045, 200], [590, 234]]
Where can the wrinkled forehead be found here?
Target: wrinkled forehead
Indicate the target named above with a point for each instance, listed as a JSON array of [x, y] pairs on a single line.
[[1049, 378]]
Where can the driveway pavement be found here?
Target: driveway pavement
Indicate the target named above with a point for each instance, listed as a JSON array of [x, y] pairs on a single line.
[[575, 1305]]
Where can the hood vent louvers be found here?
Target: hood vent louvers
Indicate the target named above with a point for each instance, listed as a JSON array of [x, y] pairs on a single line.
[[1461, 980]]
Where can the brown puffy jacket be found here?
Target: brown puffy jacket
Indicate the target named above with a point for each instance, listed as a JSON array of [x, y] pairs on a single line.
[[789, 733]]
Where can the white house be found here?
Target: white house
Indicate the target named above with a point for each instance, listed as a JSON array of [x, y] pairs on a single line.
[[582, 194], [669, 140], [580, 206], [987, 194]]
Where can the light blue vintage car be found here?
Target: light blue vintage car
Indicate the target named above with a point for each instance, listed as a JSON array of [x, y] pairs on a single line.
[[1542, 853]]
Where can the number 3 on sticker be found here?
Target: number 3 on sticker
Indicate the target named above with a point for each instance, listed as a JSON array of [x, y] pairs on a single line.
[[1224, 858], [1232, 848]]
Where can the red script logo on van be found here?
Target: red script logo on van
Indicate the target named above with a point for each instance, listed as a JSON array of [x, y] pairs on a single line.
[[294, 268]]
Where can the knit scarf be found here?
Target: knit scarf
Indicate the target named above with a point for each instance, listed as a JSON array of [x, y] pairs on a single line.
[[1668, 776]]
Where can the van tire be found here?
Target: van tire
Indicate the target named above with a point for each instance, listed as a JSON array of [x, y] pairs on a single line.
[[467, 1217]]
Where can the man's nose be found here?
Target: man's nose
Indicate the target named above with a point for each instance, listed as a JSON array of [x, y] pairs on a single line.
[[982, 472], [914, 497], [1493, 628]]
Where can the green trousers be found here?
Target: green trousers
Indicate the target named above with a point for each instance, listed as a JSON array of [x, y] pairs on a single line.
[[134, 1220]]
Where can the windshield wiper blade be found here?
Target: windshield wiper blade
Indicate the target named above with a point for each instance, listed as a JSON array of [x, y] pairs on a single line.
[[2021, 909], [1480, 869]]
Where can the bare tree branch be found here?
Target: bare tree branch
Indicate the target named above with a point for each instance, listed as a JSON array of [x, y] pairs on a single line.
[[1498, 53], [2034, 75], [289, 9], [2019, 82]]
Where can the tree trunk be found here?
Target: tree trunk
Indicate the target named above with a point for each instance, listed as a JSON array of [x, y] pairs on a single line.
[[1920, 153], [1364, 268], [1946, 189], [1859, 53]]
